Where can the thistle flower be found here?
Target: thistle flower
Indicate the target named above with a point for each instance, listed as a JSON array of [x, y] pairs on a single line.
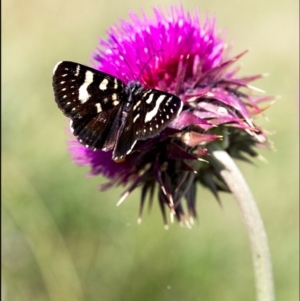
[[175, 53]]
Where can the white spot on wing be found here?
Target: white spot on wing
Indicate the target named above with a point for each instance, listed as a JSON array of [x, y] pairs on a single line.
[[99, 108], [146, 93], [83, 93], [136, 117], [71, 126], [116, 84], [103, 84], [180, 109], [169, 100], [149, 100], [55, 67], [153, 113], [77, 70], [136, 105], [132, 146]]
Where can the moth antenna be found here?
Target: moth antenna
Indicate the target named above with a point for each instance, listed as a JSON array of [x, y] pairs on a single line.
[[127, 65], [149, 59], [124, 58], [143, 68]]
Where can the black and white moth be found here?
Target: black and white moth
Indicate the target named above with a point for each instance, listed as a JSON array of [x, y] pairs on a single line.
[[107, 114]]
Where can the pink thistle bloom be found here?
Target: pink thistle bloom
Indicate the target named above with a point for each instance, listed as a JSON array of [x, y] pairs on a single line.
[[177, 54]]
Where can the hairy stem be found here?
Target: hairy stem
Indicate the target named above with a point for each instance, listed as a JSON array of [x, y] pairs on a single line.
[[252, 219]]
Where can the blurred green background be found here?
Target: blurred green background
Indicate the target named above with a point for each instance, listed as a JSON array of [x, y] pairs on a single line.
[[64, 240]]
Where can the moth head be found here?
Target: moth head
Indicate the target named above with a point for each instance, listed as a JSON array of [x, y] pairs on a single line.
[[134, 87]]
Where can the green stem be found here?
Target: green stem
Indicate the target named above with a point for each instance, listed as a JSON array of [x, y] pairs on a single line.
[[254, 225]]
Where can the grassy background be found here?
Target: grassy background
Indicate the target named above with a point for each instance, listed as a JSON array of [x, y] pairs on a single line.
[[63, 240]]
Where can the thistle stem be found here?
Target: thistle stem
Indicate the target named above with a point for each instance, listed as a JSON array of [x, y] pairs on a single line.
[[252, 219]]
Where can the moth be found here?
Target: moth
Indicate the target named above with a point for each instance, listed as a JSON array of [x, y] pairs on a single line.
[[105, 113]]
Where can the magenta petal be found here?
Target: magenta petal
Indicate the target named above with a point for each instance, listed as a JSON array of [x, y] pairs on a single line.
[[187, 118]]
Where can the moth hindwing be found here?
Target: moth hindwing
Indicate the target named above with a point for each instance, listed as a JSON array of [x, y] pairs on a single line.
[[107, 114]]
